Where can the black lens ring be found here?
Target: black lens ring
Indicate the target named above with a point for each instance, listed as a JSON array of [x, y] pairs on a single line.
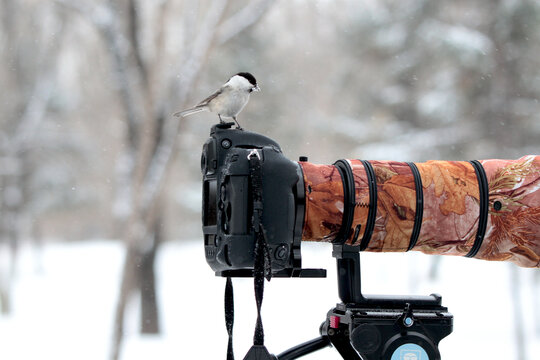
[[484, 206], [372, 212], [419, 212], [300, 213], [348, 201]]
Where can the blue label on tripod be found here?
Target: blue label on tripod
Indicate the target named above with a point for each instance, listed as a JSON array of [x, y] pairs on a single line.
[[409, 352]]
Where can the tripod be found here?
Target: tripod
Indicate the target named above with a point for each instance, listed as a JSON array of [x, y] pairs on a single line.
[[377, 327]]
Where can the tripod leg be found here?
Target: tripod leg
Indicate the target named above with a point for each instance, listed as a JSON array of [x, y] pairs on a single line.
[[344, 347], [306, 348]]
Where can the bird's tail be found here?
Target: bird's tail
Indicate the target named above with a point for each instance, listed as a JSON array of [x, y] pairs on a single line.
[[190, 111]]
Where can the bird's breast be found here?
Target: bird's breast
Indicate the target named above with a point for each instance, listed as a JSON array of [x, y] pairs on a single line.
[[230, 104]]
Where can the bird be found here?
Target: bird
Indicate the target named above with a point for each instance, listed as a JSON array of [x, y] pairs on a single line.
[[228, 100]]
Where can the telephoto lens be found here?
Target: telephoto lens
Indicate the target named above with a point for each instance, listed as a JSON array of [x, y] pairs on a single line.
[[488, 209]]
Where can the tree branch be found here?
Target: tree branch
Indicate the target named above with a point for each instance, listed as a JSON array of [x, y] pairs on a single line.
[[34, 113], [191, 69], [104, 17], [210, 32], [243, 19], [133, 28]]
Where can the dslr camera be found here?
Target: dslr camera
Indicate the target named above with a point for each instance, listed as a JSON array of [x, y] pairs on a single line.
[[306, 202], [487, 209]]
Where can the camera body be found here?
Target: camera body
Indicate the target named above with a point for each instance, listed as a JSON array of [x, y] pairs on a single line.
[[228, 203]]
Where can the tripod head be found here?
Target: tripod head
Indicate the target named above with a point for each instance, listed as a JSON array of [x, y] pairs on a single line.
[[367, 327], [382, 327]]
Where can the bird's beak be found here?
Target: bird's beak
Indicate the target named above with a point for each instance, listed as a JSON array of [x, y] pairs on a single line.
[[256, 88]]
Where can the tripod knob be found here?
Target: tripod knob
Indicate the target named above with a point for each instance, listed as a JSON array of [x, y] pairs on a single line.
[[365, 339]]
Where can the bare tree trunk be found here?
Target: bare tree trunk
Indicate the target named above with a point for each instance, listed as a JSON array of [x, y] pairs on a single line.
[[434, 268], [5, 278], [11, 237], [138, 277], [147, 283], [127, 287], [31, 82], [151, 134], [5, 304], [37, 245]]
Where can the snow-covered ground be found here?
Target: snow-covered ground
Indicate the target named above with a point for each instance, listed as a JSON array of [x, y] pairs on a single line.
[[65, 309]]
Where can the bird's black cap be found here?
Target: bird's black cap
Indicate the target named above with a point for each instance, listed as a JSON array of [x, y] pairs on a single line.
[[249, 78]]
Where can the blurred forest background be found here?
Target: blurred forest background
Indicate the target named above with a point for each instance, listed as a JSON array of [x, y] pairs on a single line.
[[89, 149]]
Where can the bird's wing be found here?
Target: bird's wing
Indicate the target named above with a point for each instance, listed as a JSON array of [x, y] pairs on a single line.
[[211, 97]]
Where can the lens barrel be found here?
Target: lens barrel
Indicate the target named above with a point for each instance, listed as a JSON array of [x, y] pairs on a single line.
[[487, 209]]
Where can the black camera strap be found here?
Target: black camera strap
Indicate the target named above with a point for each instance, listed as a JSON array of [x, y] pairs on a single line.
[[229, 316], [262, 267]]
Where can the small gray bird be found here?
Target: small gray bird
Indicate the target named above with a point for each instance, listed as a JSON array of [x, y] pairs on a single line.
[[229, 100]]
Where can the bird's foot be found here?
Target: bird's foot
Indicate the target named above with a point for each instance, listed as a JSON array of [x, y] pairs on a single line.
[[237, 123]]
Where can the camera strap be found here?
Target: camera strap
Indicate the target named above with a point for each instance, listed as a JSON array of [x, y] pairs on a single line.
[[229, 316], [262, 268]]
